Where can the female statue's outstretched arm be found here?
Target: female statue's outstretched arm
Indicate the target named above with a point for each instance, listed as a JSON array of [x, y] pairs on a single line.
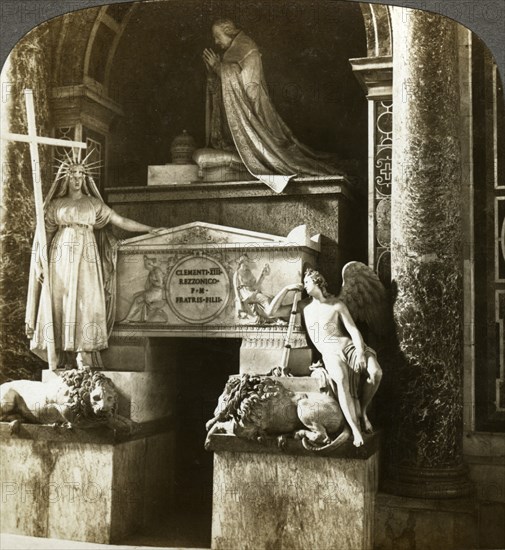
[[127, 224]]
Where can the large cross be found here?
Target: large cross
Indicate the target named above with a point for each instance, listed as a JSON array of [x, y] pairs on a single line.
[[34, 142]]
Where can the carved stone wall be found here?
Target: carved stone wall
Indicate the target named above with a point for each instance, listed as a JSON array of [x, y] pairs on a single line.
[[375, 76], [488, 235], [380, 190]]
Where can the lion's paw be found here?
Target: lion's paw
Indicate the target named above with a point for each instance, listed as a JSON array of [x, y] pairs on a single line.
[[299, 434], [124, 425]]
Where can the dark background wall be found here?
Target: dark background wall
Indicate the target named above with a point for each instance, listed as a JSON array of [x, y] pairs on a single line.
[[159, 78]]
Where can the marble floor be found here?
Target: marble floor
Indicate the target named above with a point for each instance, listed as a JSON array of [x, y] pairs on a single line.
[[18, 542], [179, 532]]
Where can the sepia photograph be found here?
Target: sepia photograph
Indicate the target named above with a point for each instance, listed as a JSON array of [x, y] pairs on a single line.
[[252, 275]]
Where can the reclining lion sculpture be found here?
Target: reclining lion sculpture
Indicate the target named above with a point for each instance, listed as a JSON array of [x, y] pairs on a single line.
[[257, 407], [78, 398]]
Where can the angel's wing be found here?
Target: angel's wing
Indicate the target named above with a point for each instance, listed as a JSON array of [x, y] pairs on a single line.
[[365, 296]]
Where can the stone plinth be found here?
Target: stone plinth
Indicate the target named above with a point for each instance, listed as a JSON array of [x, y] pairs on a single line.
[[172, 174], [82, 485], [262, 361], [425, 524], [263, 349], [266, 498]]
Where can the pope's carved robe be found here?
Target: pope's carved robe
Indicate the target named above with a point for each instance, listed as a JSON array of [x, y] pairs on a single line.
[[241, 117]]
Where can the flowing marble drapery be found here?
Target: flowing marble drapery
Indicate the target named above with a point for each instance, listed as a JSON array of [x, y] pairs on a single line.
[[82, 262], [241, 116]]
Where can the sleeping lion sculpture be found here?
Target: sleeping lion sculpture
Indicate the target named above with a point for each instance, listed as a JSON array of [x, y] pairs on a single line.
[[79, 398]]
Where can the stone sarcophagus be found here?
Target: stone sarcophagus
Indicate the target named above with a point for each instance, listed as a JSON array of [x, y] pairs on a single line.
[[201, 281], [208, 280]]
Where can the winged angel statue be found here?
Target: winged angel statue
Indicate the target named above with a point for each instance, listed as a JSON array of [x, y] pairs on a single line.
[[249, 404], [331, 323]]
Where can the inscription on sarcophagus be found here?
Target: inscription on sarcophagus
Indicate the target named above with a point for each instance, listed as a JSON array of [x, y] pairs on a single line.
[[208, 276]]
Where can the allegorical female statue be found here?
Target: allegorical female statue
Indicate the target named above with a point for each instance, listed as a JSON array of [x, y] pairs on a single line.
[[81, 264]]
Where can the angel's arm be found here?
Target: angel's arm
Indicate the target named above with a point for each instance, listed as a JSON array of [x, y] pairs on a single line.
[[276, 302]]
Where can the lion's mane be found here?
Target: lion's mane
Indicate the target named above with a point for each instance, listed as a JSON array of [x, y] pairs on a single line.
[[82, 381], [245, 395]]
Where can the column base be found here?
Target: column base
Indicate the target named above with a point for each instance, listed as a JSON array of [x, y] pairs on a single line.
[[428, 482], [402, 522]]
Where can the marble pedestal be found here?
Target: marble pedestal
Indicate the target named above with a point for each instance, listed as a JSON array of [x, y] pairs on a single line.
[[263, 360], [265, 498], [82, 485], [172, 174]]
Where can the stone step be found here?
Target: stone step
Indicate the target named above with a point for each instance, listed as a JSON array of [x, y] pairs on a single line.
[[19, 542]]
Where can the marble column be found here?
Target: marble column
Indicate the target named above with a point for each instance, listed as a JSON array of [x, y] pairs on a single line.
[[423, 455], [28, 66]]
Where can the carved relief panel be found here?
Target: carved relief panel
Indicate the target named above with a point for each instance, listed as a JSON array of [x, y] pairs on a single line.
[[199, 276]]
